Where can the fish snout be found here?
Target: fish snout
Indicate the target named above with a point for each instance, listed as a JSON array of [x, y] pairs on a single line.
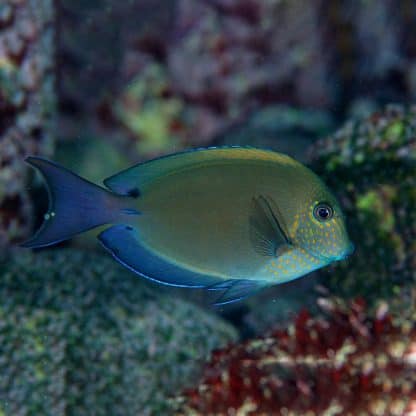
[[349, 250]]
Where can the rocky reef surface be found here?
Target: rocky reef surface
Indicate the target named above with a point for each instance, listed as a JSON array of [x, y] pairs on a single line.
[[370, 164], [79, 335], [26, 105]]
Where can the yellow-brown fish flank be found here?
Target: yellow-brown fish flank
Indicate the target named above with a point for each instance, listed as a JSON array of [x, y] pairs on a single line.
[[232, 220]]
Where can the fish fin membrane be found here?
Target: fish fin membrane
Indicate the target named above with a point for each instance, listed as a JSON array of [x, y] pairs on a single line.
[[124, 243], [135, 179], [268, 233], [75, 205], [236, 289]]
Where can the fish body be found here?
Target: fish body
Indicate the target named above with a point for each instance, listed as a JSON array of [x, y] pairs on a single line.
[[229, 219]]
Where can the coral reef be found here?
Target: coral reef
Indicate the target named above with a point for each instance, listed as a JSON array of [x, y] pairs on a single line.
[[149, 113], [79, 335], [184, 71], [345, 363], [88, 30], [223, 60], [279, 127], [26, 105], [92, 39], [370, 165], [227, 58]]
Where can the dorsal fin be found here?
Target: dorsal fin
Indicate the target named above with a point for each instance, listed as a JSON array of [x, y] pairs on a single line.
[[138, 177]]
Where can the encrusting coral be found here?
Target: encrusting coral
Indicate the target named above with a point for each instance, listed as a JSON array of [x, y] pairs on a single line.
[[79, 336], [370, 165], [348, 363]]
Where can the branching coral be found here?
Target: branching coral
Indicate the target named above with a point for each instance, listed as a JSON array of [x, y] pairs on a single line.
[[346, 363]]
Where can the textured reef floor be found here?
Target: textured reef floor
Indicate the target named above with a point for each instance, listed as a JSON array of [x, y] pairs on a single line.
[[78, 332]]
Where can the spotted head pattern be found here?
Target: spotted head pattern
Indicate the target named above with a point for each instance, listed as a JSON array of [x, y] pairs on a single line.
[[320, 230]]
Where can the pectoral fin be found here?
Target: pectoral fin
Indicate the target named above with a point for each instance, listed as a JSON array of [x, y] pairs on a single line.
[[268, 232]]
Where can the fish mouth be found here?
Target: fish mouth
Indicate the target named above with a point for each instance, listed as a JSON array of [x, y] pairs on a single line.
[[350, 250]]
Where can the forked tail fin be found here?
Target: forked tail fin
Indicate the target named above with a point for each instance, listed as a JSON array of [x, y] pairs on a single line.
[[75, 205]]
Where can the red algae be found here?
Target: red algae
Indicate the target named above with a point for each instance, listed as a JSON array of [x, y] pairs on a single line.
[[347, 362]]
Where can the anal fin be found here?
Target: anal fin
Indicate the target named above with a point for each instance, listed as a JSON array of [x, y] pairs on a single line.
[[124, 243], [236, 289]]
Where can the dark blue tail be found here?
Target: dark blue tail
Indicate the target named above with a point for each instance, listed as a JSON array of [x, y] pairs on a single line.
[[75, 205]]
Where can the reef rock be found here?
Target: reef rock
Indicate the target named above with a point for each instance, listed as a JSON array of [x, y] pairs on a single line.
[[79, 335], [26, 105], [370, 165]]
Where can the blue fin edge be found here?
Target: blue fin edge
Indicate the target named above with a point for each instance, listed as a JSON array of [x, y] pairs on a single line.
[[122, 238], [125, 245]]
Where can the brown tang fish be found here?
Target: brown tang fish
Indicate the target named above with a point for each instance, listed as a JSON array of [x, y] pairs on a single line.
[[228, 219]]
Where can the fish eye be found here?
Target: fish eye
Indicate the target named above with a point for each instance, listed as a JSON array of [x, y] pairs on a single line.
[[323, 212]]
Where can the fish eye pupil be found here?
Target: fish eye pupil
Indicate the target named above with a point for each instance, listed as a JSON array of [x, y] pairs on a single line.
[[323, 212]]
